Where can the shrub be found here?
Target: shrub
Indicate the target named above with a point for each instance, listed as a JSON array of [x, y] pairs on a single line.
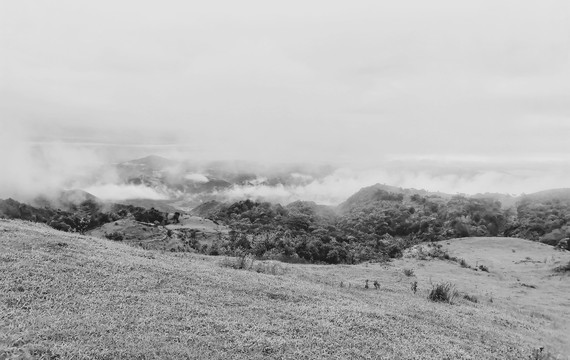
[[483, 268], [540, 354], [463, 263], [563, 268], [116, 236], [471, 298], [409, 272], [247, 262], [443, 292], [269, 268]]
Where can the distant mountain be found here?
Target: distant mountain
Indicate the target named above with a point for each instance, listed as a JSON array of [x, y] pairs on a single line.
[[206, 209], [383, 192], [151, 162], [311, 207], [506, 200], [378, 192], [67, 200], [562, 194]]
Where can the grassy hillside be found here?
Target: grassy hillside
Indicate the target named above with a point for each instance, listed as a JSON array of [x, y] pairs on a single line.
[[68, 296], [189, 234]]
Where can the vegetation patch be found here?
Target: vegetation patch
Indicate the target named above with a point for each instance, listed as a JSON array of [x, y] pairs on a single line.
[[98, 299], [409, 272], [248, 262], [115, 236], [562, 268], [471, 298], [443, 292]]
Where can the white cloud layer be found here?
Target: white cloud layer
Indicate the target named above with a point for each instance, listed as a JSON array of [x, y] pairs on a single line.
[[198, 178], [292, 81], [354, 84], [117, 192], [460, 178]]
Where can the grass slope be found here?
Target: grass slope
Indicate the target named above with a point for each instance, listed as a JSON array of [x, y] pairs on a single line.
[[68, 296], [151, 237]]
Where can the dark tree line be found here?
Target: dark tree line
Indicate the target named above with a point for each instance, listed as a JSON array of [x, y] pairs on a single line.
[[379, 225], [374, 225]]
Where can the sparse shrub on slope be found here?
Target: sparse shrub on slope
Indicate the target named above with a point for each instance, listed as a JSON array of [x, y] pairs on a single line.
[[463, 263], [563, 268], [248, 262], [443, 292], [116, 236], [242, 262], [541, 354]]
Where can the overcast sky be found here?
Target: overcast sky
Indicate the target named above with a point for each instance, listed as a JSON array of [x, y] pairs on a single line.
[[293, 80]]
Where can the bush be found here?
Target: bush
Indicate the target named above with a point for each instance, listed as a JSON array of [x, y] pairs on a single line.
[[269, 268], [409, 272], [563, 268], [471, 298], [243, 262], [247, 262], [463, 263], [443, 292], [483, 268], [116, 236]]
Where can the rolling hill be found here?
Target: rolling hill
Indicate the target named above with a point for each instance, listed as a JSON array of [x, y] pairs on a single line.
[[63, 295]]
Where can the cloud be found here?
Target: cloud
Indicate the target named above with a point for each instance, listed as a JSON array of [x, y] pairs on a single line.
[[30, 169], [198, 178], [117, 192], [346, 81], [302, 177], [452, 177]]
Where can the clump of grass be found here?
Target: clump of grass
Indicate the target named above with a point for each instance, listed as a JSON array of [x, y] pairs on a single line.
[[483, 268], [463, 263], [269, 268], [443, 292], [409, 272], [471, 298], [116, 236], [541, 354], [562, 268], [376, 284], [242, 262], [414, 286], [247, 262]]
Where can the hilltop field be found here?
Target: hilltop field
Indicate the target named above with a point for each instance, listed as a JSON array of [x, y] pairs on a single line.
[[68, 296]]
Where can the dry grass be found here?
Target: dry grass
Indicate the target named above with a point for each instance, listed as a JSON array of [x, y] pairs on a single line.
[[444, 292], [68, 296]]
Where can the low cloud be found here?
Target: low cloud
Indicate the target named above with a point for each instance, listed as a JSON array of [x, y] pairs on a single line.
[[452, 178], [30, 169], [198, 178], [115, 192]]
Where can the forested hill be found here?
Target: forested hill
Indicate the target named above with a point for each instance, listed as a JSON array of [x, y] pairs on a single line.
[[375, 223]]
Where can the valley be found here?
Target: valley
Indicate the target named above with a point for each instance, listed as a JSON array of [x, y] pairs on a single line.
[[388, 272]]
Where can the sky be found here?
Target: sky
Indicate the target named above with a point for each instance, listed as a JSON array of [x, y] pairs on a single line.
[[481, 84]]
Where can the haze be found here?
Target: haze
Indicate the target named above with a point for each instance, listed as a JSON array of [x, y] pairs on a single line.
[[444, 95]]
